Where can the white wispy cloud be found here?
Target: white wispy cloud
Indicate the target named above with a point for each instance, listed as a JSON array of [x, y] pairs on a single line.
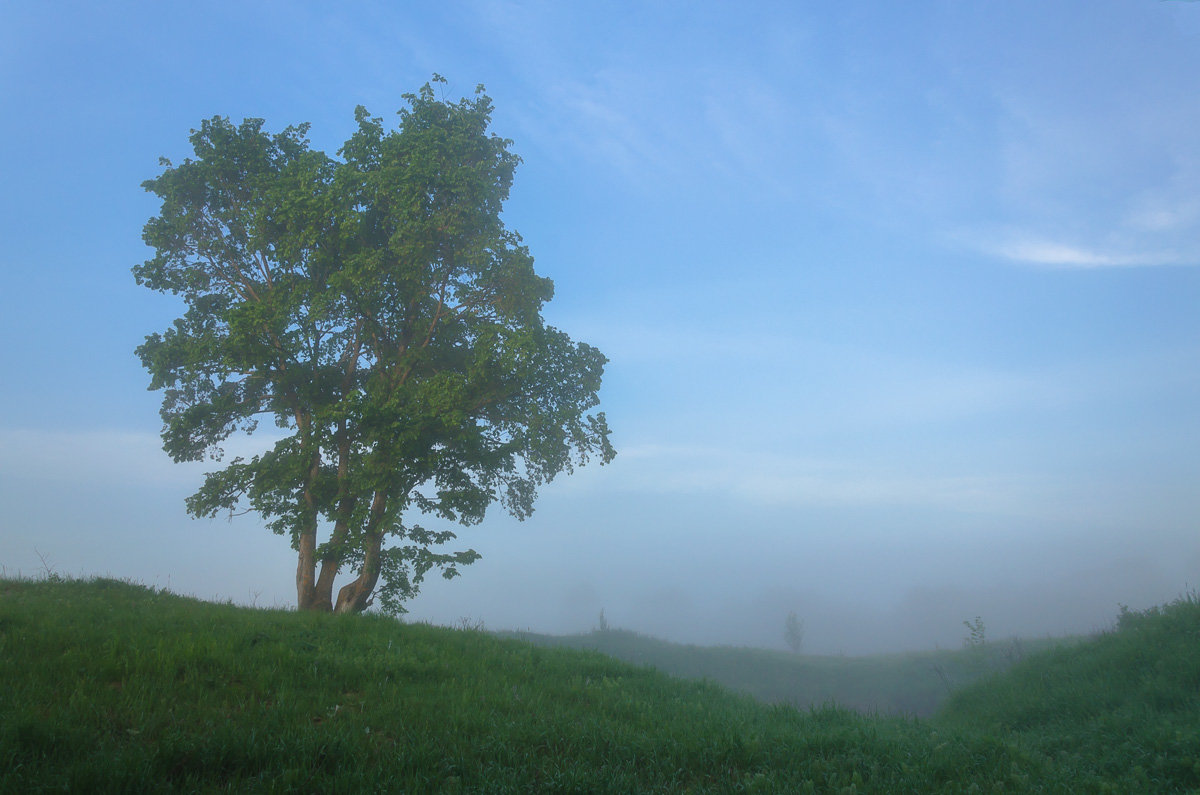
[[1046, 252], [1163, 214]]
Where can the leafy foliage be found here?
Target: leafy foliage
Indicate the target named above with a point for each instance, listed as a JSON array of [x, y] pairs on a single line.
[[375, 308]]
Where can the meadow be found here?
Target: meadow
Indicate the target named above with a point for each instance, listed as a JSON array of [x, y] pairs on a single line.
[[116, 687], [913, 684]]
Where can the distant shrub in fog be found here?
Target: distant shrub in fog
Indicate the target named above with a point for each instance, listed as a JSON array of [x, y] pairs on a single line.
[[976, 633], [793, 632]]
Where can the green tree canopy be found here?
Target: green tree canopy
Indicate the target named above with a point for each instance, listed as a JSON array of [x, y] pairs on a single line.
[[377, 309]]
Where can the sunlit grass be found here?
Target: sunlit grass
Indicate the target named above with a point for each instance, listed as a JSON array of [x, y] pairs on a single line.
[[116, 687]]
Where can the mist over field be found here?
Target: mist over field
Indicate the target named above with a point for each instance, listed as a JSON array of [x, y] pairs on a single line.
[[899, 303], [858, 590]]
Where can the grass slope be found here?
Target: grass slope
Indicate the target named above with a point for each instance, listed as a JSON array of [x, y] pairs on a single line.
[[1124, 707], [115, 687], [898, 684]]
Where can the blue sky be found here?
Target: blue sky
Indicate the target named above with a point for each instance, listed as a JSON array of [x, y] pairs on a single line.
[[900, 300]]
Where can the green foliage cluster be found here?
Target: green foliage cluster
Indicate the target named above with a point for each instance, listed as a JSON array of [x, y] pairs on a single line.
[[375, 308], [113, 687]]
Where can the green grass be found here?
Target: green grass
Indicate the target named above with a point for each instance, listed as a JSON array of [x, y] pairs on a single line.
[[1124, 707], [898, 684], [113, 687]]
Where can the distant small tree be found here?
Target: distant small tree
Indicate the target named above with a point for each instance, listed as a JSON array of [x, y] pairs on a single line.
[[793, 632], [603, 625], [976, 633]]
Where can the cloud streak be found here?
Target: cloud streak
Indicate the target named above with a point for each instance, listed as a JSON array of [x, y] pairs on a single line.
[[1050, 253]]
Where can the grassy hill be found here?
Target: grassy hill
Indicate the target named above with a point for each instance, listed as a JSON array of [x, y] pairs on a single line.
[[899, 684], [116, 687], [1124, 707]]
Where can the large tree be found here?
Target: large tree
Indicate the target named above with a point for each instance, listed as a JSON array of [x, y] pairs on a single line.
[[377, 309]]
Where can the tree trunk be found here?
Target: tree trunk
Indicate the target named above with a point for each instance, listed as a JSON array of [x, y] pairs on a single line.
[[308, 594], [331, 564], [305, 570], [355, 596], [329, 571], [311, 595]]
